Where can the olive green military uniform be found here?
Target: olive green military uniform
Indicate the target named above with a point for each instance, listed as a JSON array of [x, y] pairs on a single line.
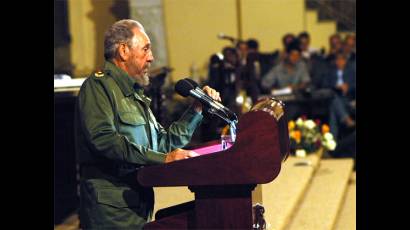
[[116, 133]]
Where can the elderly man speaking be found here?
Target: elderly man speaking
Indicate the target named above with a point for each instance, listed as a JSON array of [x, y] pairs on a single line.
[[116, 133]]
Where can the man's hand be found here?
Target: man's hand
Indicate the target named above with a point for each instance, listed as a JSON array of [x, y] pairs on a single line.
[[180, 154], [210, 92]]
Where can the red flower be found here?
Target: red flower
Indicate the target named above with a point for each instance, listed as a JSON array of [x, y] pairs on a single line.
[[317, 121], [318, 143], [303, 117]]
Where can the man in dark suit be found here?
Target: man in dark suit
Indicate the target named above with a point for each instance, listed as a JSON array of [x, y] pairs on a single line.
[[342, 79]]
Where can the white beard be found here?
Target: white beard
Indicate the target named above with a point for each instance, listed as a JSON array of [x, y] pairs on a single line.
[[143, 80]]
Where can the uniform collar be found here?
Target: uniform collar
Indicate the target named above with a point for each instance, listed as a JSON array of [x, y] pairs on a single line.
[[127, 85], [140, 94]]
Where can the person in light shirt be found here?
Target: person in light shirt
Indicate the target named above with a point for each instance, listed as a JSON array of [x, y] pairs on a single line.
[[291, 73]]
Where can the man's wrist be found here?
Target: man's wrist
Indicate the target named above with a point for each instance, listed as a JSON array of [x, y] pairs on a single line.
[[197, 107]]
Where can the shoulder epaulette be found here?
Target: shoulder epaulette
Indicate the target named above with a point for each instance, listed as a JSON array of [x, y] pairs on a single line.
[[99, 74]]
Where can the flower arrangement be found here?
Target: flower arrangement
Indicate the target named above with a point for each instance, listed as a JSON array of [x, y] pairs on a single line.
[[308, 136]]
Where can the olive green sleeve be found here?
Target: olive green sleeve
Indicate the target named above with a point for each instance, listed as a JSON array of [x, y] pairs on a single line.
[[180, 132], [97, 124]]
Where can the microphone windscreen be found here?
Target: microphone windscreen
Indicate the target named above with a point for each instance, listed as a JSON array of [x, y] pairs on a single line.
[[183, 87]]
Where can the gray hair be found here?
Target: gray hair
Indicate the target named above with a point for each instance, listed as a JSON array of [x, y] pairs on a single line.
[[119, 32]]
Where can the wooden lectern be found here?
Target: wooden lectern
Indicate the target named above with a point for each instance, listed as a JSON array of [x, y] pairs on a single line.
[[223, 180]]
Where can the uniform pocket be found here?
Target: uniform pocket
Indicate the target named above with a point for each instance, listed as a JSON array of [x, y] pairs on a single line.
[[118, 197], [118, 208], [131, 118], [132, 125]]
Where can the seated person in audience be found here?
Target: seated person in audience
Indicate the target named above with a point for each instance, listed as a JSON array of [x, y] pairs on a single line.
[[253, 45], [321, 68], [242, 48], [349, 50], [257, 65], [224, 73], [253, 56], [306, 50], [341, 78], [313, 59], [287, 39], [335, 44], [277, 57], [214, 71], [229, 77], [270, 59], [291, 73], [251, 71]]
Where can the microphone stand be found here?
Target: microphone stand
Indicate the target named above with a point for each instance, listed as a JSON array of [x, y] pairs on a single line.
[[225, 114], [231, 122]]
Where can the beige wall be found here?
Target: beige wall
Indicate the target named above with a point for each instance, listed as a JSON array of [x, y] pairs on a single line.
[[191, 27], [269, 20], [319, 31], [88, 20]]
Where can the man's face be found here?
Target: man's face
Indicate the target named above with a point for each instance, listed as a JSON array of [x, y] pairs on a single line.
[[231, 58], [288, 40], [351, 41], [335, 43], [139, 57], [340, 62], [304, 43], [349, 44], [294, 56], [243, 49]]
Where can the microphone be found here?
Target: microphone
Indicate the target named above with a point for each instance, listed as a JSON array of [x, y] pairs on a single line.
[[203, 94], [188, 87]]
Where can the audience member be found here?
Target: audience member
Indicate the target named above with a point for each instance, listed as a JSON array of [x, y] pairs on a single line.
[[253, 58], [341, 78], [349, 49], [272, 60], [335, 46], [242, 48], [223, 75], [306, 50], [291, 72], [295, 67], [253, 45], [313, 59], [349, 46], [286, 40], [230, 74], [214, 69], [250, 70]]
